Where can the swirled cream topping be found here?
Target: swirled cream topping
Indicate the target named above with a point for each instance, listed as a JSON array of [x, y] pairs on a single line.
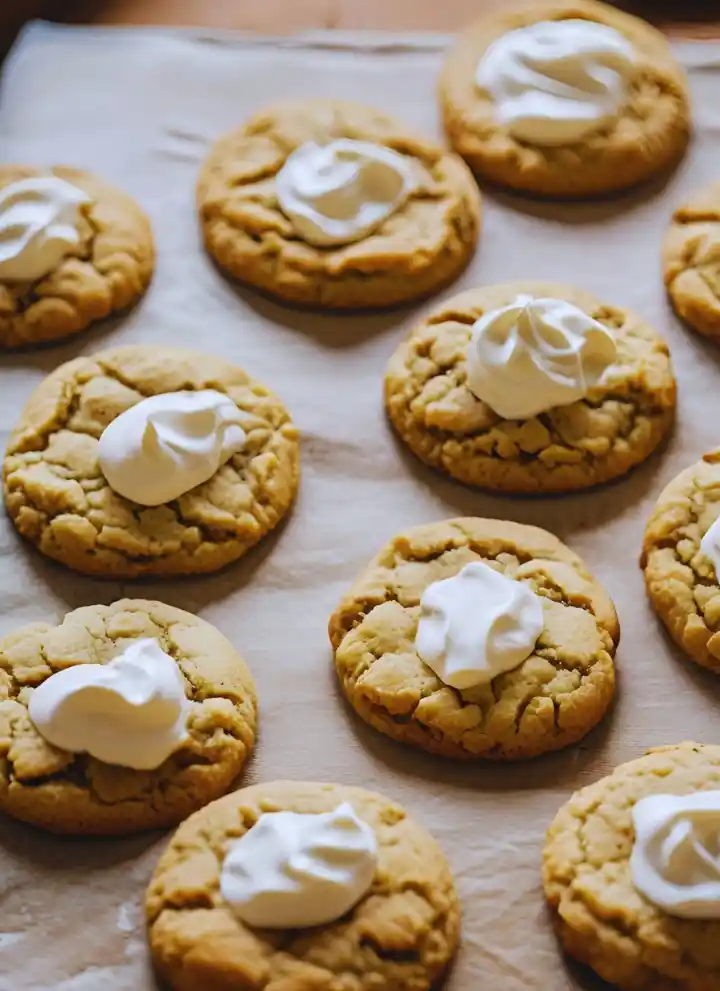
[[39, 221], [296, 870], [342, 191], [477, 625], [554, 82], [168, 444], [131, 712], [675, 860], [535, 354]]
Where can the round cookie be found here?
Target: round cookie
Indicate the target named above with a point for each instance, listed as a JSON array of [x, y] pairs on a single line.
[[58, 498], [401, 935], [112, 271], [417, 250], [681, 581], [691, 261], [75, 793], [588, 442], [551, 700], [601, 918], [649, 136]]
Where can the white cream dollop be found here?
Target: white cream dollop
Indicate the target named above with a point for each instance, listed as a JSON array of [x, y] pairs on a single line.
[[131, 712], [296, 870], [535, 354], [477, 625], [554, 82], [38, 226], [710, 546], [675, 860], [342, 191], [166, 445]]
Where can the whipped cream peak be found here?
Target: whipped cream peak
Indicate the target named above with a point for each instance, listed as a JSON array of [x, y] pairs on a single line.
[[296, 870], [477, 625], [555, 82], [39, 226], [166, 445], [341, 192], [675, 861], [534, 354], [131, 712]]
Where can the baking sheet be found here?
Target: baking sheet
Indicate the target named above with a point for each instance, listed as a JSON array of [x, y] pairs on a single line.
[[141, 107]]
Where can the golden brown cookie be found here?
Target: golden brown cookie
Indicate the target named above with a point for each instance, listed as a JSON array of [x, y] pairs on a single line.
[[69, 793], [416, 251], [649, 136], [552, 699], [681, 580], [601, 918], [401, 936], [618, 425], [691, 261], [111, 272], [58, 498]]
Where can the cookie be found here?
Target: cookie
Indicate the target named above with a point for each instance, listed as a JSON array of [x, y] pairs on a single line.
[[681, 577], [420, 247], [619, 423], [691, 261], [106, 270], [75, 793], [549, 701], [510, 100], [59, 499], [401, 935], [602, 918]]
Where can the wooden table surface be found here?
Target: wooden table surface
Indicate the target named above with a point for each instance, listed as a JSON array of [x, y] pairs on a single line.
[[691, 18]]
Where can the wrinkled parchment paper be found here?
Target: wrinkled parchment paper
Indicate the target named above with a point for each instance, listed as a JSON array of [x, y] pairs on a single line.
[[141, 107]]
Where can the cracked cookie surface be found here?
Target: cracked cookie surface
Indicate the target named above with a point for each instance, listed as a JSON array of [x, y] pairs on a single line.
[[75, 793], [649, 137], [399, 937], [58, 498], [112, 270], [552, 699], [601, 918], [681, 581], [417, 250], [691, 261], [619, 423]]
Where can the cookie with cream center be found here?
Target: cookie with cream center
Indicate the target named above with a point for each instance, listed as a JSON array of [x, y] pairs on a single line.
[[146, 460], [531, 387], [475, 638], [401, 932], [568, 99], [73, 250], [332, 204], [120, 718], [628, 873]]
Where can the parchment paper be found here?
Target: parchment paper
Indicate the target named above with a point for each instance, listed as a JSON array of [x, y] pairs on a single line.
[[140, 107]]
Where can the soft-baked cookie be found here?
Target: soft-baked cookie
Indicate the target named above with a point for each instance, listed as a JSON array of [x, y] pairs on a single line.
[[551, 699], [76, 793], [681, 560], [691, 261], [602, 918], [418, 248], [59, 499], [105, 265], [518, 122], [620, 421], [401, 935]]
